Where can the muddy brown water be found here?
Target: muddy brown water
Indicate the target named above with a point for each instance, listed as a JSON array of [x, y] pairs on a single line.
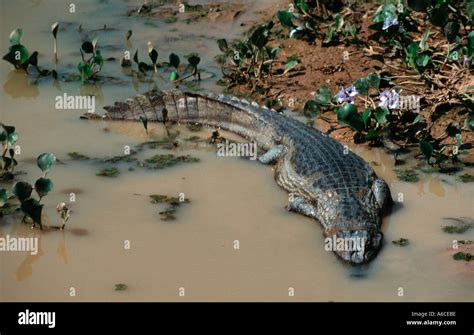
[[230, 198]]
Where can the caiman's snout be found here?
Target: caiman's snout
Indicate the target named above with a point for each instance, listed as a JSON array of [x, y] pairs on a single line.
[[356, 246]]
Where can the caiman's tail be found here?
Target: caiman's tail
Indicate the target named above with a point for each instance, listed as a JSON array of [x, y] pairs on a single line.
[[239, 116]]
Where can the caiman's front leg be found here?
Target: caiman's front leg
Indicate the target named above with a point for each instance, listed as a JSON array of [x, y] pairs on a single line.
[[272, 155], [300, 205]]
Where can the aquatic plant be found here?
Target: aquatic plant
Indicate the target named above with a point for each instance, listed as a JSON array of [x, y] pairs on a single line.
[[19, 56], [401, 242], [89, 68], [8, 138], [64, 213], [173, 203], [54, 31]]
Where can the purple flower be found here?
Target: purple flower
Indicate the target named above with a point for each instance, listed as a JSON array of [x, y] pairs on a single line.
[[466, 60], [346, 95], [341, 96], [389, 99], [388, 22]]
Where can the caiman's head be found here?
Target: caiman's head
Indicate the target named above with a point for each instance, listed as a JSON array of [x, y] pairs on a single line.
[[353, 221]]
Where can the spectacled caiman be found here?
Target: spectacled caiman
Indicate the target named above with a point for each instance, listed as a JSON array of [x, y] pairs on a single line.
[[328, 182]]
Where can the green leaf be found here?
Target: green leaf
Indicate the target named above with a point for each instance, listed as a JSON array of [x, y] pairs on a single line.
[[32, 208], [426, 35], [329, 35], [419, 5], [222, 43], [3, 137], [17, 55], [323, 97], [373, 79], [45, 161], [173, 76], [381, 114], [22, 190], [366, 115], [402, 242], [285, 18], [422, 60], [426, 148], [451, 31], [412, 49], [344, 111], [439, 16], [259, 37], [339, 21], [3, 196], [362, 86], [85, 70], [311, 109], [144, 122], [290, 65], [15, 36], [8, 129], [153, 55], [98, 59], [43, 186], [12, 138], [87, 47], [54, 29], [174, 60], [194, 60]]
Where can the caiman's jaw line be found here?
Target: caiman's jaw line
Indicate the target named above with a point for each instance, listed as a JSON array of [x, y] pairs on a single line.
[[357, 246]]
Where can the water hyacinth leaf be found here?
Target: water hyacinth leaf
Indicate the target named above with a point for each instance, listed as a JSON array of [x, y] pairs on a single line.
[[302, 5], [362, 86], [222, 43], [290, 65], [144, 121], [194, 60], [285, 18], [174, 60], [17, 55], [423, 43], [339, 21], [142, 67], [366, 115], [173, 76], [381, 114], [22, 190], [344, 111], [94, 43], [323, 96], [3, 137], [43, 186], [419, 5], [426, 148], [15, 36], [439, 15], [311, 109], [98, 59], [87, 47], [259, 37], [54, 29], [329, 35], [153, 55], [45, 161], [3, 196], [86, 71], [12, 138], [33, 59], [422, 60], [451, 30], [8, 129], [412, 49], [373, 80], [135, 56], [32, 208]]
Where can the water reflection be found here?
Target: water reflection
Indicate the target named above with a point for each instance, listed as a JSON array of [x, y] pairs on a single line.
[[18, 85]]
